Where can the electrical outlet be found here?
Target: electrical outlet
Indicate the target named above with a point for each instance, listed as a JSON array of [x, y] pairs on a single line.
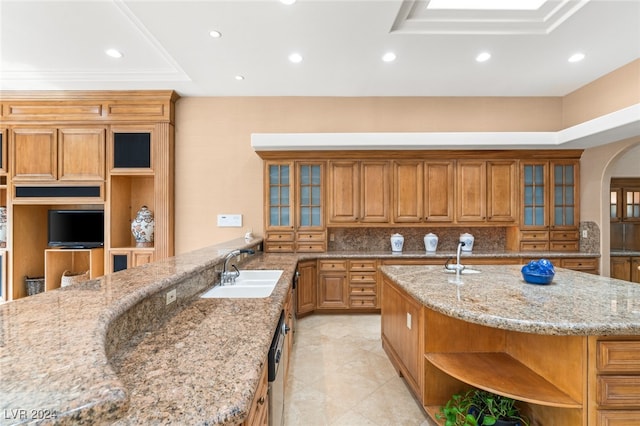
[[584, 233], [171, 296], [408, 320]]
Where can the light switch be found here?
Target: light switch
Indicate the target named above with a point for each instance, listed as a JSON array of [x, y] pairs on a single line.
[[230, 220]]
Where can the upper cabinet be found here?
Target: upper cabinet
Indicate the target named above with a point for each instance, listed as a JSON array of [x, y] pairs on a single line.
[[550, 207], [358, 192], [294, 206], [625, 200], [65, 153], [487, 191], [423, 191]]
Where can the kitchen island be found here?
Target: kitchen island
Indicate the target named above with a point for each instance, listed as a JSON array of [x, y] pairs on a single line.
[[569, 351]]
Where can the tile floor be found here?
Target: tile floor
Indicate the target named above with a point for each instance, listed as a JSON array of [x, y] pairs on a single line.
[[340, 376]]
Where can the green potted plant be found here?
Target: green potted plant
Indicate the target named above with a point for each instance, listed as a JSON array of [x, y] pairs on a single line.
[[480, 408]]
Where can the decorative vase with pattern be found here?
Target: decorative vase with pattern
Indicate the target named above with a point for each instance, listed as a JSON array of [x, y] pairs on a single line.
[[397, 241], [142, 227], [3, 226]]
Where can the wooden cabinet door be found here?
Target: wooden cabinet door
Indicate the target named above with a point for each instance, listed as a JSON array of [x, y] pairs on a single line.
[[534, 207], [635, 269], [439, 191], [333, 291], [344, 191], [374, 191], [306, 289], [621, 268], [408, 191], [35, 155], [564, 209], [502, 191], [81, 154], [279, 196], [471, 191], [141, 257]]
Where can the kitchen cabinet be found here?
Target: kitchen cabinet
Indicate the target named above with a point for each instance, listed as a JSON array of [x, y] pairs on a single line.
[[306, 287], [333, 286], [363, 284], [294, 213], [423, 191], [57, 261], [625, 200], [625, 268], [402, 336], [51, 153], [359, 192], [550, 207], [109, 150], [487, 191], [259, 410]]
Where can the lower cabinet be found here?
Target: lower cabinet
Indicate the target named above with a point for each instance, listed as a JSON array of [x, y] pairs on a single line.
[[363, 284], [626, 268], [333, 287], [120, 259], [259, 411], [306, 287]]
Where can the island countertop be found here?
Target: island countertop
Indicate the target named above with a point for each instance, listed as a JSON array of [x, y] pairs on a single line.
[[573, 304]]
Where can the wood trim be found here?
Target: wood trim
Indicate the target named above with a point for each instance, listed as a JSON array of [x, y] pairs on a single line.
[[538, 154]]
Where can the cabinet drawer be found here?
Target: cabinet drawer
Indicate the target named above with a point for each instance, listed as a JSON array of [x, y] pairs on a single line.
[[534, 235], [362, 289], [275, 247], [579, 264], [618, 356], [363, 277], [564, 246], [362, 302], [564, 235], [311, 236], [618, 391], [617, 418], [279, 236], [362, 265], [310, 247], [534, 246], [333, 265]]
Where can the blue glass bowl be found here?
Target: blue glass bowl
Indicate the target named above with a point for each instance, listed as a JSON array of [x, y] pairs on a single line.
[[537, 278]]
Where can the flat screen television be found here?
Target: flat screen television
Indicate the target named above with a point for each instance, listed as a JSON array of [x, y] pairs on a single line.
[[75, 228]]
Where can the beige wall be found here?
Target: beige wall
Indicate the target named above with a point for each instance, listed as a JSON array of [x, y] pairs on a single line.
[[217, 172]]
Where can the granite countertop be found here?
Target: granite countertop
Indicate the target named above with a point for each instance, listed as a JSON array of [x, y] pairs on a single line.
[[110, 350], [624, 253], [200, 363], [573, 304]]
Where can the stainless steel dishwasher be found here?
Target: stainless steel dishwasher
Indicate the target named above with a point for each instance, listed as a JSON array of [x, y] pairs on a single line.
[[276, 375]]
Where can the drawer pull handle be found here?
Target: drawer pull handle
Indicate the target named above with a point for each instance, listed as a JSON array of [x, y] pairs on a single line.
[[261, 400]]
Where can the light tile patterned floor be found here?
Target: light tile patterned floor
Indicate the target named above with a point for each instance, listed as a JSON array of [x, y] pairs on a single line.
[[340, 376]]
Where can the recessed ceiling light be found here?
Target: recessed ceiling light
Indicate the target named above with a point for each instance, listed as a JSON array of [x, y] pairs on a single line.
[[215, 34], [576, 57], [287, 2], [389, 57], [114, 53], [239, 77], [296, 58], [483, 57]]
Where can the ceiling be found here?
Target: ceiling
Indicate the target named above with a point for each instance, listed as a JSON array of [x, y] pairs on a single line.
[[60, 45]]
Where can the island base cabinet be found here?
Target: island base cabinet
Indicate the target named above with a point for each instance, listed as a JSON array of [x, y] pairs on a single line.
[[259, 411], [401, 335]]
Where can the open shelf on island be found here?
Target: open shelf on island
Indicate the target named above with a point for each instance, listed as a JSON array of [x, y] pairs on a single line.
[[500, 373]]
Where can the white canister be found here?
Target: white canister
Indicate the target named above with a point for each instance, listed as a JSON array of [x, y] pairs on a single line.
[[430, 242], [467, 239], [397, 241]]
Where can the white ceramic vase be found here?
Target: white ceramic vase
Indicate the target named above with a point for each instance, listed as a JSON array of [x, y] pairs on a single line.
[[397, 241], [467, 239], [142, 227], [3, 226], [430, 242]]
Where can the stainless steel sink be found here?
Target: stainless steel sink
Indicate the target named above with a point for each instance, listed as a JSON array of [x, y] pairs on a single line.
[[250, 284]]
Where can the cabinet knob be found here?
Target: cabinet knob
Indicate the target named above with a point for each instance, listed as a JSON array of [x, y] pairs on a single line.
[[261, 400]]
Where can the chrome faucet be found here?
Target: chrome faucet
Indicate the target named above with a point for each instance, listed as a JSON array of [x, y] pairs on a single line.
[[458, 267], [229, 277]]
